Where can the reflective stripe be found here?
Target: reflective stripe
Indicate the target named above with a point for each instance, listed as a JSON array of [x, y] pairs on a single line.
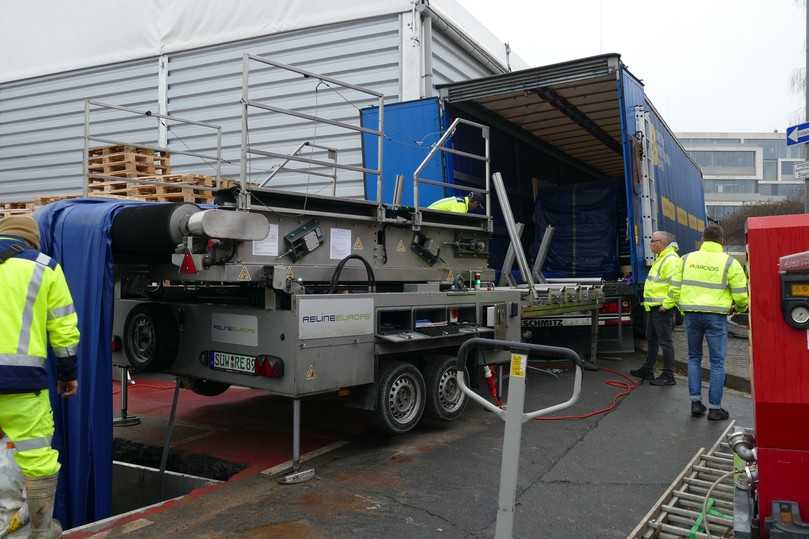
[[64, 351], [61, 311], [705, 308], [740, 290], [656, 279], [43, 259], [21, 360], [651, 300], [33, 443], [28, 312], [701, 284], [728, 262]]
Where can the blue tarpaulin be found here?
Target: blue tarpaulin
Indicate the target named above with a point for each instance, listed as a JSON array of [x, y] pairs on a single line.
[[77, 234]]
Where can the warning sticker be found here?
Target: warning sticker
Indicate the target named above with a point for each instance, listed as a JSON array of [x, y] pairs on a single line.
[[311, 373], [358, 246], [518, 362], [400, 247], [244, 274]]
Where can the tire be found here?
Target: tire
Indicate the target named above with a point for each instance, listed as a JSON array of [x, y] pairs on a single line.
[[445, 400], [150, 337], [401, 397], [206, 388]]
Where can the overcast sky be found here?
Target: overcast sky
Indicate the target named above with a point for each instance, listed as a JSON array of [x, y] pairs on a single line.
[[708, 65]]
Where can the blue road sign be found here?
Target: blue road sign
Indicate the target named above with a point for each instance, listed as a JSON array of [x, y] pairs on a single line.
[[798, 134]]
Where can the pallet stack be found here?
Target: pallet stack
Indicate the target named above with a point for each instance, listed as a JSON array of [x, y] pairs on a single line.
[[133, 173]]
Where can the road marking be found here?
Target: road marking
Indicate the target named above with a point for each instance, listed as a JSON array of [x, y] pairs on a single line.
[[284, 466]]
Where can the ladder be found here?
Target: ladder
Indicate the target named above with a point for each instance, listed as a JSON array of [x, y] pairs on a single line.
[[679, 509]]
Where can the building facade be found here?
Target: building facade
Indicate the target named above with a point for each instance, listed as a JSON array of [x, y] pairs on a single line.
[[744, 168]]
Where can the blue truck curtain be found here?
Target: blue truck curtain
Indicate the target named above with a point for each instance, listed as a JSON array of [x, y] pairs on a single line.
[[77, 234]]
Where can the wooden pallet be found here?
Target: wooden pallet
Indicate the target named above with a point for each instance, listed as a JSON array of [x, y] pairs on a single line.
[[189, 187], [128, 161], [23, 207]]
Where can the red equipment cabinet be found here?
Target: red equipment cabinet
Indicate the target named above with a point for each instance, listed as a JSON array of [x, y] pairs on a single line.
[[779, 359]]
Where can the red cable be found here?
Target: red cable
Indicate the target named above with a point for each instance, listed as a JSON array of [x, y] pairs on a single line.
[[626, 388]]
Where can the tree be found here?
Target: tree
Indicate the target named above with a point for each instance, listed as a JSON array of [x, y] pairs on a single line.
[[734, 225]]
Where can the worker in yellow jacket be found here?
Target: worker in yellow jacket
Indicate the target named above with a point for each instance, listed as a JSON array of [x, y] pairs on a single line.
[[712, 283], [659, 300], [466, 204], [36, 310]]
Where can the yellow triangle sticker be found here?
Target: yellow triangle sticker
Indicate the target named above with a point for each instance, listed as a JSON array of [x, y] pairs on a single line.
[[311, 373], [358, 245], [400, 247], [244, 274]]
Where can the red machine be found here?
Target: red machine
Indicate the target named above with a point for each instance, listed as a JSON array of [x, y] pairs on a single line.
[[778, 259]]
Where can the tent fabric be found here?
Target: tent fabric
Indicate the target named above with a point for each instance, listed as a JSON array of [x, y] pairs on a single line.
[[76, 233], [585, 240], [102, 32]]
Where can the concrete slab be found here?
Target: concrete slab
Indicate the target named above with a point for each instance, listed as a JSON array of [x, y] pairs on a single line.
[[590, 478]]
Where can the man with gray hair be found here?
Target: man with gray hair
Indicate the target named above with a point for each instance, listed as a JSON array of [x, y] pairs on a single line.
[[659, 300]]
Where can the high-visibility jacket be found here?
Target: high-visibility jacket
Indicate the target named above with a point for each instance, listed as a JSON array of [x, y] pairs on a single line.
[[657, 291], [453, 204], [711, 281], [36, 309]]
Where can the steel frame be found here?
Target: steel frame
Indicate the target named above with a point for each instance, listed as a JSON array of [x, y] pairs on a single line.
[[247, 149], [88, 110]]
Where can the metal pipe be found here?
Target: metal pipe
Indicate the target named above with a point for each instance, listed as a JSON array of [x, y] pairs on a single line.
[[488, 174], [164, 458], [398, 191], [219, 158], [314, 118], [508, 217], [453, 185], [301, 146], [296, 434], [542, 254], [380, 145], [245, 138], [463, 154], [325, 164], [86, 157], [313, 75], [153, 114], [508, 261]]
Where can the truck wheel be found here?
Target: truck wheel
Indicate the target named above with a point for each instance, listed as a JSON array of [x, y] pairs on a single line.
[[150, 337], [401, 398], [206, 388], [445, 400]]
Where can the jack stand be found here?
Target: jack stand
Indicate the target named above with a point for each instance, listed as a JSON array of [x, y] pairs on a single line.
[[297, 475], [125, 420], [164, 458]]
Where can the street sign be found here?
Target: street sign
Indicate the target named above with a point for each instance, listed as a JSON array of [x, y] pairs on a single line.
[[798, 134], [802, 170]]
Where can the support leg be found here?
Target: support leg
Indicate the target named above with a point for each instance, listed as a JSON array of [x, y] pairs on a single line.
[[297, 475], [164, 458], [125, 420], [594, 336]]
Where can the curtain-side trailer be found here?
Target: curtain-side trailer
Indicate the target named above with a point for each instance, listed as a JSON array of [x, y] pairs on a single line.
[[582, 149]]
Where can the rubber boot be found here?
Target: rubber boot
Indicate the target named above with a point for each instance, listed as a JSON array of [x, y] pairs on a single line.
[[41, 493]]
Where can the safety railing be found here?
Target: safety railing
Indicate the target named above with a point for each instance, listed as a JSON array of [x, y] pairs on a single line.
[[440, 146], [92, 105], [248, 149], [513, 415], [332, 154]]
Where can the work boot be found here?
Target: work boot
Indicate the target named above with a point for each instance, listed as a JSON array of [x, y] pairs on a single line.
[[718, 414], [41, 492], [665, 379], [643, 373], [697, 409]]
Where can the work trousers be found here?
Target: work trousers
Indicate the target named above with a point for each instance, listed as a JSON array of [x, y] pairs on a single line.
[[27, 419], [658, 335], [714, 329]]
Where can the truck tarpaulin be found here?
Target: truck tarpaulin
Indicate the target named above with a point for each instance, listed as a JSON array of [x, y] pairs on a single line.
[[76, 234]]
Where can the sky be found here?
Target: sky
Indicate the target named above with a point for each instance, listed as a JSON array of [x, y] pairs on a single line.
[[708, 65]]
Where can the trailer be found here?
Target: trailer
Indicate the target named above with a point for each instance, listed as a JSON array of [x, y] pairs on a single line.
[[582, 151]]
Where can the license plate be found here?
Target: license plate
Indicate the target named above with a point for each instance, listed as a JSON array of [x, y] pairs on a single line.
[[224, 361]]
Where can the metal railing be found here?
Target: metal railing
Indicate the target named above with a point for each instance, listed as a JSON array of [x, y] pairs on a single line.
[[248, 149], [161, 118], [439, 146], [332, 154]]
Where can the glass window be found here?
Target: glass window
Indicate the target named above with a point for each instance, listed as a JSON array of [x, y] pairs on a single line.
[[767, 189], [708, 141], [787, 170], [721, 213], [791, 191], [770, 169], [729, 163], [795, 151], [730, 186], [772, 148]]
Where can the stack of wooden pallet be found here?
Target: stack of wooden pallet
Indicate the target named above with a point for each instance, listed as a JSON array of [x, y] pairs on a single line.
[[126, 161], [15, 208]]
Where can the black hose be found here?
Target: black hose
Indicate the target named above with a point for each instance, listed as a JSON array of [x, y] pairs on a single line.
[[335, 277]]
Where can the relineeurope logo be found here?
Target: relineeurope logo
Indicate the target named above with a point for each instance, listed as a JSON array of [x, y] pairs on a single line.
[[321, 318], [233, 329]]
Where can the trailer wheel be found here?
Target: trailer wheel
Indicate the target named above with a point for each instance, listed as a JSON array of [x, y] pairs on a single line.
[[206, 388], [150, 337], [445, 400], [401, 398]]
